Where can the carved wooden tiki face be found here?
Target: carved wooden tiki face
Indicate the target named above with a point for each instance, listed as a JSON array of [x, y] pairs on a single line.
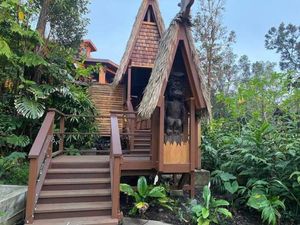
[[174, 107]]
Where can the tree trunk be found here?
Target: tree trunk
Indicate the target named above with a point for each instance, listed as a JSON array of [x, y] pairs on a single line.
[[41, 28], [42, 21]]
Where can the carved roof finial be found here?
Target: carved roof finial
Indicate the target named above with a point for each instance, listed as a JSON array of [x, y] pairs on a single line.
[[185, 6]]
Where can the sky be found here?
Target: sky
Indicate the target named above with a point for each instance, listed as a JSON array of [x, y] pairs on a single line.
[[111, 22]]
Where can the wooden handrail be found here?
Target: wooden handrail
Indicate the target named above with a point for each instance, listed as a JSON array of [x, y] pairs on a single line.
[[40, 154], [42, 135], [115, 137], [115, 166]]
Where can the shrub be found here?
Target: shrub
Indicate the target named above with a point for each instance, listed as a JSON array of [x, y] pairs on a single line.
[[146, 195], [210, 210], [257, 143], [14, 169]]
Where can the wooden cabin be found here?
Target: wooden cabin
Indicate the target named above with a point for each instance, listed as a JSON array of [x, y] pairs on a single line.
[[159, 89]]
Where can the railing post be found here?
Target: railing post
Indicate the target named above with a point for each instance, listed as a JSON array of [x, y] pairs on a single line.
[[62, 133], [116, 187], [30, 204]]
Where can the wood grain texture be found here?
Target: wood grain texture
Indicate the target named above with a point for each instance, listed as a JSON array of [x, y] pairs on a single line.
[[176, 154]]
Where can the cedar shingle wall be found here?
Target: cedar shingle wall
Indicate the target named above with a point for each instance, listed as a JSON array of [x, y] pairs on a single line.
[[146, 47]]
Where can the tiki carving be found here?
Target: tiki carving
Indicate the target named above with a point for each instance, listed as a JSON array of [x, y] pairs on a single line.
[[174, 108]]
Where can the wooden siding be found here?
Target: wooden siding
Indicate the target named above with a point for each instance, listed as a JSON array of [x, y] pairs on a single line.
[[107, 99], [146, 46]]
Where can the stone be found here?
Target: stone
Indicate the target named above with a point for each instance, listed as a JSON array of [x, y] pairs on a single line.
[[12, 204], [202, 178]]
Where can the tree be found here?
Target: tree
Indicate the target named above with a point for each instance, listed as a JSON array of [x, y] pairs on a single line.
[[24, 99], [261, 68], [66, 20], [244, 67], [213, 40], [286, 41]]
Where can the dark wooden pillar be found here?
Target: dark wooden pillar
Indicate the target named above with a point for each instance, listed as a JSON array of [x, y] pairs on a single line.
[[129, 83], [161, 135]]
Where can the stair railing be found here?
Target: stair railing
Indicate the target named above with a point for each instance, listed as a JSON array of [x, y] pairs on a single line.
[[40, 157], [116, 159]]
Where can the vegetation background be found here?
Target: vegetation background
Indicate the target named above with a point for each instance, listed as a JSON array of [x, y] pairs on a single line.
[[251, 145]]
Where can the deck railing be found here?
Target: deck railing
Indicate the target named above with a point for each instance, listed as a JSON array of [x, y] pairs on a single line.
[[40, 157], [41, 154]]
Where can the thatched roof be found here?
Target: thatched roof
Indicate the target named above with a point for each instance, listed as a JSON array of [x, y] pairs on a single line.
[[134, 33], [163, 65]]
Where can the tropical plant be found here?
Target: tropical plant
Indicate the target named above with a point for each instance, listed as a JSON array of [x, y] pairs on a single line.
[[72, 151], [146, 195], [37, 74], [269, 207], [14, 169], [210, 210], [256, 146]]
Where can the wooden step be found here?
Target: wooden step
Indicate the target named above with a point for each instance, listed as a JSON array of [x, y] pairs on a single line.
[[80, 162], [93, 220], [62, 196], [72, 173], [61, 165], [76, 184], [141, 145], [79, 209]]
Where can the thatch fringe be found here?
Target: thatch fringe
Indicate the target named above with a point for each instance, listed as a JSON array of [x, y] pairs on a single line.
[[163, 65], [134, 34], [160, 72]]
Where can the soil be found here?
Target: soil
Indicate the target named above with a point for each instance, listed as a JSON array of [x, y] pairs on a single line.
[[180, 214]]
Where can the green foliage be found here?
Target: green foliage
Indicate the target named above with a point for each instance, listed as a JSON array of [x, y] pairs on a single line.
[[146, 195], [14, 169], [210, 210], [269, 207], [72, 151], [37, 74], [254, 147]]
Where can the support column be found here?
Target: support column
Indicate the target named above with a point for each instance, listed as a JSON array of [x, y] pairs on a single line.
[[129, 83]]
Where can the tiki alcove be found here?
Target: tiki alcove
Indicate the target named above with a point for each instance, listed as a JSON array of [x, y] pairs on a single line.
[[175, 92]]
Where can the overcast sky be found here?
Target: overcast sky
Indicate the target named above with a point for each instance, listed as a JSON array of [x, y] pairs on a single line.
[[111, 22]]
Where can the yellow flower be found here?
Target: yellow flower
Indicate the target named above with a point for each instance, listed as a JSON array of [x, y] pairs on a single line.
[[241, 101], [21, 16]]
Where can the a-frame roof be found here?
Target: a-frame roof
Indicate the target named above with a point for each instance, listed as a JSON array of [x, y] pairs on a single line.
[[142, 45], [179, 31]]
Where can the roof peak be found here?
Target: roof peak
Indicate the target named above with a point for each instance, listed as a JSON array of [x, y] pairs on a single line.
[[139, 21]]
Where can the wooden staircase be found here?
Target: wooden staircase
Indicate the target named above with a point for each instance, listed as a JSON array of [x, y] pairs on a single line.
[[76, 190], [142, 142]]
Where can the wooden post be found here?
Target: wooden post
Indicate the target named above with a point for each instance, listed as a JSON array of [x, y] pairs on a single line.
[[161, 135], [193, 134], [192, 184], [61, 131], [197, 145], [30, 204], [154, 137], [116, 190], [129, 83]]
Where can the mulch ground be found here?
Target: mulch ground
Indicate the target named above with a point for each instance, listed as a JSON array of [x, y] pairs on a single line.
[[179, 215]]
